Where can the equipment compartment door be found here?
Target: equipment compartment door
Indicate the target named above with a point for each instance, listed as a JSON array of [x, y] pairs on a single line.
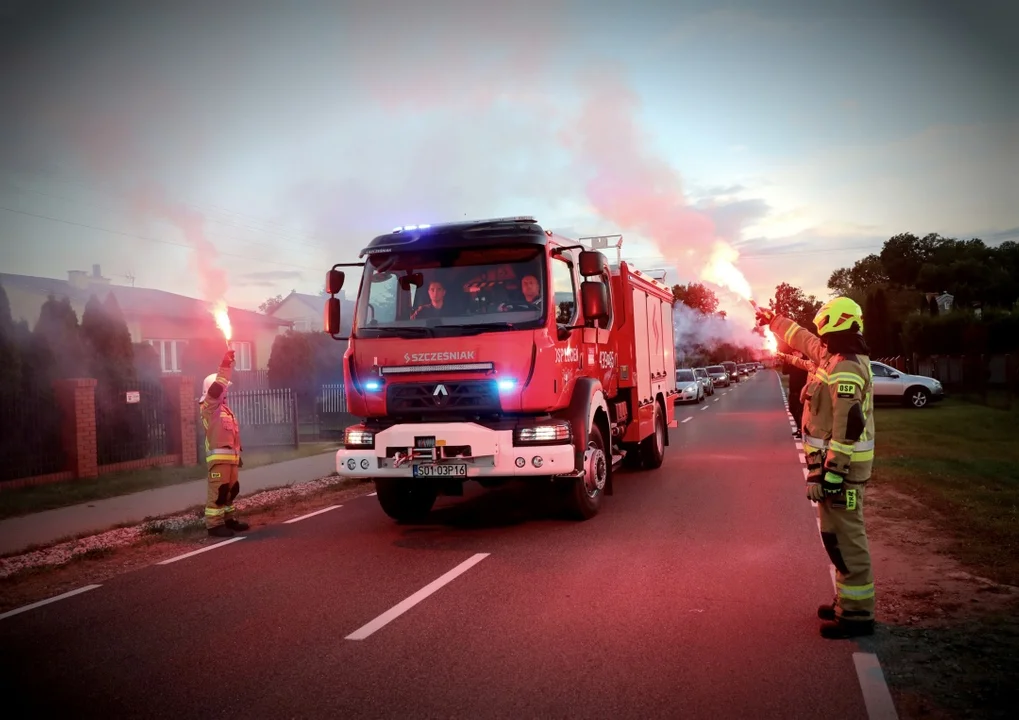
[[642, 364]]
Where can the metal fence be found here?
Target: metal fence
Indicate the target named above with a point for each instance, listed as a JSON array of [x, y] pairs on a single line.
[[989, 379], [131, 421], [31, 442], [267, 418]]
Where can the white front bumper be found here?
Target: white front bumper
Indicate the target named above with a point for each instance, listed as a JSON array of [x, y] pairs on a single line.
[[492, 453]]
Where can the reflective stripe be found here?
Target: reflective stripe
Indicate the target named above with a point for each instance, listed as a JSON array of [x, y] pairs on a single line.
[[855, 592], [841, 447], [846, 376], [228, 509], [227, 455], [214, 512], [857, 448]]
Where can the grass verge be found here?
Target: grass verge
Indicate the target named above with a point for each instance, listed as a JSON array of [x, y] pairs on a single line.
[[961, 460], [27, 500]]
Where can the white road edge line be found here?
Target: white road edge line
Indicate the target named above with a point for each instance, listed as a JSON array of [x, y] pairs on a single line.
[[371, 494], [317, 512], [34, 605], [199, 552], [876, 696], [397, 610], [688, 419]]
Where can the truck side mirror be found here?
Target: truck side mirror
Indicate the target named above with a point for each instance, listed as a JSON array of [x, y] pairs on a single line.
[[595, 299], [593, 263], [334, 281], [331, 321]]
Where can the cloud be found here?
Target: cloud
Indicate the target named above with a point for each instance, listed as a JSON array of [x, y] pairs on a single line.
[[268, 278]]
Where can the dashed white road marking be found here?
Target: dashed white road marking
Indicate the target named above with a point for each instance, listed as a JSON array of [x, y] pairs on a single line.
[[317, 512], [704, 408], [876, 696], [799, 445], [805, 473], [717, 399], [372, 494], [688, 419], [33, 606], [199, 552], [399, 609]]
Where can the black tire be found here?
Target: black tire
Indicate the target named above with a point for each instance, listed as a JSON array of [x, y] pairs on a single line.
[[404, 500], [917, 397], [583, 496], [652, 448]]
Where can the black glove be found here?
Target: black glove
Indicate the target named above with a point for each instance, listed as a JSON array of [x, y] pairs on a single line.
[[832, 484]]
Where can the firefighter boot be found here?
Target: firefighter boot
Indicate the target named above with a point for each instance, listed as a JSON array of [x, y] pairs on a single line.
[[236, 525], [826, 612], [842, 629], [221, 531]]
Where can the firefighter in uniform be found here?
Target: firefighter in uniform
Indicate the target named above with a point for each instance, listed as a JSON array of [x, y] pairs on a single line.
[[838, 441], [222, 453]]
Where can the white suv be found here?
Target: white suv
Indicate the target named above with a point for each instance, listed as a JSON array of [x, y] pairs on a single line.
[[912, 390]]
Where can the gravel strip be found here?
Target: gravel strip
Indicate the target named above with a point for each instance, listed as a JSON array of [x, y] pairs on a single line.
[[120, 537]]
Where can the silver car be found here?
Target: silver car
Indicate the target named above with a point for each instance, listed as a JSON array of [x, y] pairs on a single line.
[[891, 385], [690, 388], [702, 375]]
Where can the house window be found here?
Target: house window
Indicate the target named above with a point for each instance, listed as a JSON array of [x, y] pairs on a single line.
[[171, 353], [242, 355], [302, 325]]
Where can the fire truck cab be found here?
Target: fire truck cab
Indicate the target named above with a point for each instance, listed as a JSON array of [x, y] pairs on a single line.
[[496, 350]]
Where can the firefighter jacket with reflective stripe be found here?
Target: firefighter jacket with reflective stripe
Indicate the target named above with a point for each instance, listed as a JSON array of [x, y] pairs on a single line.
[[838, 385], [222, 434]]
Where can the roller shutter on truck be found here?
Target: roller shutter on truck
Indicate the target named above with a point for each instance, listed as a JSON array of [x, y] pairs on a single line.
[[642, 366]]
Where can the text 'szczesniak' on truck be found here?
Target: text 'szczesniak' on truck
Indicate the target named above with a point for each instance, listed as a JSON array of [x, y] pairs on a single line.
[[496, 350]]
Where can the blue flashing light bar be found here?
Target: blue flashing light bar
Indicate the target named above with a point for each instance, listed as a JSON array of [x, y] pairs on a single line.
[[404, 228]]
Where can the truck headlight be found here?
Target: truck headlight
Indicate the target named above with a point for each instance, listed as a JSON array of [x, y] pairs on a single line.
[[552, 433], [357, 438]]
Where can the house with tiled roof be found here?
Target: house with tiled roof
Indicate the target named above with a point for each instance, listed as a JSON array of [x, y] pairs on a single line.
[[163, 319], [306, 312]]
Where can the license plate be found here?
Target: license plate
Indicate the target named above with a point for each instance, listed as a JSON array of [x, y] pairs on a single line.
[[444, 470]]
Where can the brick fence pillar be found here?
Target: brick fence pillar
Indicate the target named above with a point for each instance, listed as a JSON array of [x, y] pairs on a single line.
[[77, 400], [182, 406]]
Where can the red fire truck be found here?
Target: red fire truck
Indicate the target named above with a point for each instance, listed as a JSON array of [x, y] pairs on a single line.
[[495, 350]]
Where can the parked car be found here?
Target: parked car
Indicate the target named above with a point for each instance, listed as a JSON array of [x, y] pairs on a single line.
[[719, 377], [690, 388], [891, 385], [702, 375]]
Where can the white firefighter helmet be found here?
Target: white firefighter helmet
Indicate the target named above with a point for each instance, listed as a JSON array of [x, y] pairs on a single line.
[[209, 380]]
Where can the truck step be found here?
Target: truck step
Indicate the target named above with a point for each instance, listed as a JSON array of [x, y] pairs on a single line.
[[617, 460]]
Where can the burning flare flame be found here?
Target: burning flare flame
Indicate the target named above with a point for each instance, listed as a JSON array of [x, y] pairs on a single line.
[[721, 270], [219, 312]]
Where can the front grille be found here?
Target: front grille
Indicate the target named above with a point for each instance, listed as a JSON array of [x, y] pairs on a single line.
[[470, 396]]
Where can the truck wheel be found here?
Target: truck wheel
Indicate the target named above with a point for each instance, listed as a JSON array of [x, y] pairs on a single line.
[[652, 448], [405, 500], [584, 495]]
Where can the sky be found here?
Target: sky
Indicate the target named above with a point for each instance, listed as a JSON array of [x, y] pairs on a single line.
[[242, 148]]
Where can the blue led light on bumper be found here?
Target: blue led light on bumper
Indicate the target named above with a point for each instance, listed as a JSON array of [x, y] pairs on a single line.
[[372, 385], [411, 227], [507, 384]]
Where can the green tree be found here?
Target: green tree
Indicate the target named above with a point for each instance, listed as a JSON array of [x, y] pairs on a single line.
[[271, 304], [697, 297], [10, 352], [57, 346], [878, 324], [792, 303]]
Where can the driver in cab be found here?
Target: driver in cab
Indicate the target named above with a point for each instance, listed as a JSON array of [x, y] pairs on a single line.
[[435, 308], [530, 288]]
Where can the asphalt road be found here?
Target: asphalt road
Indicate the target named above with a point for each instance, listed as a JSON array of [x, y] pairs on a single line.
[[692, 595]]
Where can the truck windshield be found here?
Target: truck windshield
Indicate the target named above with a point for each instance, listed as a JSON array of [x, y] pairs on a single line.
[[447, 292]]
